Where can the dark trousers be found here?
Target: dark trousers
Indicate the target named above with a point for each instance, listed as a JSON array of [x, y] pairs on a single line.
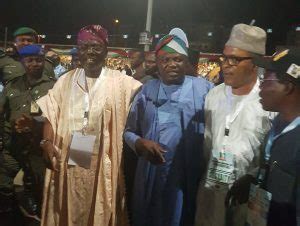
[[281, 214], [21, 155]]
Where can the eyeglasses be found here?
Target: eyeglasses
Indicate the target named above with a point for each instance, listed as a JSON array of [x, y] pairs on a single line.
[[232, 60], [267, 79], [94, 48]]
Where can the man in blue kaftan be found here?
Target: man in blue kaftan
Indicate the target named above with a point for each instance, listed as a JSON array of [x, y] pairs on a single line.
[[165, 128]]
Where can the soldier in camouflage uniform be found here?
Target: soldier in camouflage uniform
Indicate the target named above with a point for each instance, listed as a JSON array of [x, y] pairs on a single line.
[[21, 142], [10, 66]]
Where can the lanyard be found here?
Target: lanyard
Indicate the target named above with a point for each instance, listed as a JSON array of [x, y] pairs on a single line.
[[272, 137], [88, 96], [230, 118]]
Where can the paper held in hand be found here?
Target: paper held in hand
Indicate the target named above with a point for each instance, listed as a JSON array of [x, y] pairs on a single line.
[[81, 150]]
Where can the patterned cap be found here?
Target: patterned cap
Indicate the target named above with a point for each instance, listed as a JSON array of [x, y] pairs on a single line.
[[180, 34], [92, 32], [171, 44]]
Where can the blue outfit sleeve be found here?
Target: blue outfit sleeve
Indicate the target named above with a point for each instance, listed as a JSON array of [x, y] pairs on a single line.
[[132, 130]]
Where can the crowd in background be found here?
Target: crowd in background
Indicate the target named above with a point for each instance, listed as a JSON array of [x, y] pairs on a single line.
[[150, 139]]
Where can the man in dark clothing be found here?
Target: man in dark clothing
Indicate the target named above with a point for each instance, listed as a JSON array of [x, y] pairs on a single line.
[[279, 172], [137, 59], [151, 70]]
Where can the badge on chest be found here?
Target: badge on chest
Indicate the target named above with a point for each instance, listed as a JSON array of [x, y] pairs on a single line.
[[221, 169], [34, 108]]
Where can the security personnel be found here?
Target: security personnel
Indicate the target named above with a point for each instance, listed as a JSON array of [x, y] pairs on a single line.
[[21, 143], [279, 173], [10, 66]]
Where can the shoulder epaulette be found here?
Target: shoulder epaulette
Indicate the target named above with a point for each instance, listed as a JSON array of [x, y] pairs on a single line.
[[12, 80]]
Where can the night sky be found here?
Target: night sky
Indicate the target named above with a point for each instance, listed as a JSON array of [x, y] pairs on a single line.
[[61, 17]]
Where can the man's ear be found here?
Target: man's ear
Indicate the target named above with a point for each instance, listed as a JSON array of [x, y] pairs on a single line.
[[289, 88]]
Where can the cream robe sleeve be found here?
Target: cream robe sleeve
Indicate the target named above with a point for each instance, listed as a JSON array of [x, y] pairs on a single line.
[[135, 86], [51, 104]]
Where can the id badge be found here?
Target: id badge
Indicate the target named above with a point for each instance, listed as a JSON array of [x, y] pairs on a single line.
[[34, 108], [258, 206], [220, 169], [81, 150]]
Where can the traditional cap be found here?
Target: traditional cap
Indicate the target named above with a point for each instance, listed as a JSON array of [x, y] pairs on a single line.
[[24, 31], [180, 34], [92, 32], [286, 62], [171, 44], [249, 38], [31, 50]]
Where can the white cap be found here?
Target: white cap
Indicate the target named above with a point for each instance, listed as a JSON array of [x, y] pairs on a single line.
[[249, 38]]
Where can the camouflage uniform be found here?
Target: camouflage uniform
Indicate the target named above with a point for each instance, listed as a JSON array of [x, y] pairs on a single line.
[[21, 150], [11, 67]]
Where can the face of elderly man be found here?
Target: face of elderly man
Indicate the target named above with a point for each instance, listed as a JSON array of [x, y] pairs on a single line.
[[172, 67], [273, 91], [237, 67], [91, 53]]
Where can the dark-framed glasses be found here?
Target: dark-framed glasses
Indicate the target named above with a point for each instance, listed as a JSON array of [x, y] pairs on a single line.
[[92, 47], [262, 80]]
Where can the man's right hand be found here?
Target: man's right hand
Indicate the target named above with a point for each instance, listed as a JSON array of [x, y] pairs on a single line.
[[51, 155], [24, 124], [151, 150], [239, 192]]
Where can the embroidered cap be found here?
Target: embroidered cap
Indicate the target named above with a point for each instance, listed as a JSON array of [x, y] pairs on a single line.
[[249, 38]]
